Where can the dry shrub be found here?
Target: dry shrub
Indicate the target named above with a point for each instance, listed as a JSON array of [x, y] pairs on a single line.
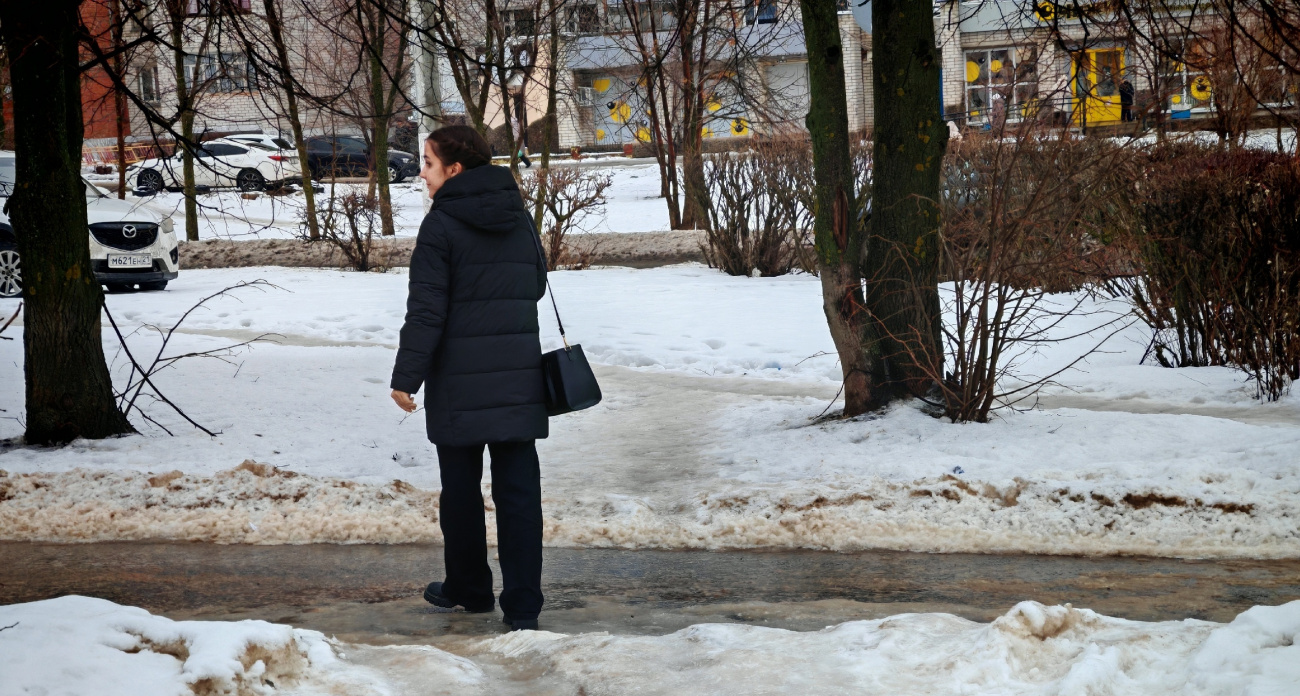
[[571, 197], [1048, 212], [1024, 215], [350, 224], [1221, 246], [758, 217]]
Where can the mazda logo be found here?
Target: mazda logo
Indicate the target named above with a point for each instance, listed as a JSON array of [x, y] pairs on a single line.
[[128, 231]]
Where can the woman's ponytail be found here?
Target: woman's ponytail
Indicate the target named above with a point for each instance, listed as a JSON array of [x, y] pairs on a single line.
[[460, 145]]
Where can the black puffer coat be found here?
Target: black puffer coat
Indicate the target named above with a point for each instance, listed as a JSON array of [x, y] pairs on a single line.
[[471, 315]]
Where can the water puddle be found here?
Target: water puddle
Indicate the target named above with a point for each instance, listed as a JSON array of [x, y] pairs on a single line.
[[370, 593]]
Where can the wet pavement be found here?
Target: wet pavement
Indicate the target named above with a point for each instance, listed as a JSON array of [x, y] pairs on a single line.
[[370, 593]]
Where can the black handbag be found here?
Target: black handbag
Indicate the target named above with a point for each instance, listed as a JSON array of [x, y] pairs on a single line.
[[568, 382]]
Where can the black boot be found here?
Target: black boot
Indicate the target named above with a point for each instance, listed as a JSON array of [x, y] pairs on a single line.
[[433, 595], [519, 624]]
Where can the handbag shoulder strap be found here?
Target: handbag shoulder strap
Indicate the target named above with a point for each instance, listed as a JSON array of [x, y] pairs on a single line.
[[541, 255]]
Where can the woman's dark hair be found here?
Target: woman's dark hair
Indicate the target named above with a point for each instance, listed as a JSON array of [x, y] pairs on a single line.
[[460, 144]]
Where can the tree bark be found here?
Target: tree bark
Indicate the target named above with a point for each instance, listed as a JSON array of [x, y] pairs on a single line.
[[68, 389], [380, 116], [275, 25], [185, 110], [693, 36], [549, 126], [119, 98], [838, 238], [909, 143]]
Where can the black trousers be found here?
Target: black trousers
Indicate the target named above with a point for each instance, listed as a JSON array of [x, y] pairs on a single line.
[[517, 493]]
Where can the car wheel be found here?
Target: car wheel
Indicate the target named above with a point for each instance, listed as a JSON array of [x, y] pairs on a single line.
[[394, 174], [250, 180], [11, 273], [149, 179], [160, 285]]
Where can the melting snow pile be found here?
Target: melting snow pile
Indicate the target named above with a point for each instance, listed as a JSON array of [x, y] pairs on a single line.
[[82, 645], [253, 503], [1236, 514]]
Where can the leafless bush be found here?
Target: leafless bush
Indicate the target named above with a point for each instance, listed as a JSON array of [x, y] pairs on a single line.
[[759, 216], [350, 224], [571, 197], [1221, 250], [1013, 234], [140, 380]]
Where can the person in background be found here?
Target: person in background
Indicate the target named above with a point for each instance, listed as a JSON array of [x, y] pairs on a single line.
[[471, 337], [1126, 100]]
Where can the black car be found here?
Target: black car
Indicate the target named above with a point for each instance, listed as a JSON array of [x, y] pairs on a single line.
[[349, 155]]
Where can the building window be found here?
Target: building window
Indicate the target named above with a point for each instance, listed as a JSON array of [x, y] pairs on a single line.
[[1001, 83], [584, 19], [149, 84], [646, 14], [1184, 84], [219, 72], [197, 8], [760, 12], [518, 22]]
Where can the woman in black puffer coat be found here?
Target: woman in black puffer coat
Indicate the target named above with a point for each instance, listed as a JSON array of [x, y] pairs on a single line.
[[471, 336]]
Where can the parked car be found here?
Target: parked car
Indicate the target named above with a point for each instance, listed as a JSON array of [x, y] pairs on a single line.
[[274, 142], [222, 162], [349, 155], [130, 245]]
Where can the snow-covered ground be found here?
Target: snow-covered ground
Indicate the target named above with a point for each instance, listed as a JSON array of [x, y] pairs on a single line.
[[705, 438], [227, 214], [79, 645]]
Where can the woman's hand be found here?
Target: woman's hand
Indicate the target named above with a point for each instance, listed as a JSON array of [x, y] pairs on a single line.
[[404, 401]]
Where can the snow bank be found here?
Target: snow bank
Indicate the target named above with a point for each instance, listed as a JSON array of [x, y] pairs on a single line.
[[81, 645], [706, 437], [78, 645], [1033, 649], [251, 504], [256, 504]]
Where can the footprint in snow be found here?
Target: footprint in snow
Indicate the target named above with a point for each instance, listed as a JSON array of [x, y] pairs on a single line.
[[714, 343]]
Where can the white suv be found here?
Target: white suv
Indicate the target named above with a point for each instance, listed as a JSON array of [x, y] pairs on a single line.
[[249, 166], [130, 245]]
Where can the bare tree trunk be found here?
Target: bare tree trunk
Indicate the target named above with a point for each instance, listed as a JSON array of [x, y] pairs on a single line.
[[276, 28], [839, 239], [910, 139], [379, 118], [552, 104], [185, 107], [693, 36], [119, 99], [69, 393]]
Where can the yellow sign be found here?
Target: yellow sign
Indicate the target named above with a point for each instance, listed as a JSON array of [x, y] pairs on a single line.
[[643, 134], [713, 105], [1200, 88], [996, 66], [1045, 11], [972, 71], [706, 132], [739, 126], [600, 134], [600, 85], [620, 113]]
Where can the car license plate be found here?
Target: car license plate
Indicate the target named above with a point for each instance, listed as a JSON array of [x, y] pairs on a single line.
[[130, 261]]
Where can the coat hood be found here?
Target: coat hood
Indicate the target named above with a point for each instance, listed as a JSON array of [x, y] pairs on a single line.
[[484, 198]]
